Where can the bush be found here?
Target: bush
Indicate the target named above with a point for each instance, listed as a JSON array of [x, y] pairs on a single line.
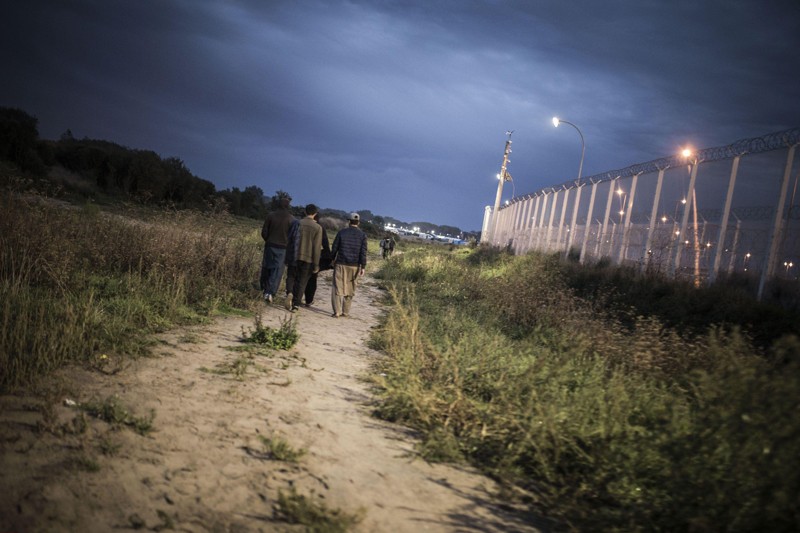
[[608, 421]]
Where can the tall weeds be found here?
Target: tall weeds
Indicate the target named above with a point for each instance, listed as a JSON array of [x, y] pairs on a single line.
[[606, 424], [77, 281]]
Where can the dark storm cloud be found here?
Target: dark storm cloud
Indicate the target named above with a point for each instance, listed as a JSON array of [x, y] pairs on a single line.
[[401, 107]]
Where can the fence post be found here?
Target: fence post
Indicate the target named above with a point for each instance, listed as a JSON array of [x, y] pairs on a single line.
[[533, 222], [588, 225], [623, 252], [523, 222], [550, 222], [723, 228], [487, 217], [563, 215], [515, 220], [571, 236], [540, 230], [732, 262], [777, 228], [687, 206], [653, 220], [604, 231]]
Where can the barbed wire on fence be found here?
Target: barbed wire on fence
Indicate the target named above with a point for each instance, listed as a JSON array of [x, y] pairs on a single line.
[[723, 236], [754, 145]]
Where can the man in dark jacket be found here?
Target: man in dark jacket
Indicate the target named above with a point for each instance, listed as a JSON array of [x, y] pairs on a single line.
[[275, 234], [349, 254]]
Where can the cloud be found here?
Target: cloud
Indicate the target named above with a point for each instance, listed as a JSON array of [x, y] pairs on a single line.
[[346, 103]]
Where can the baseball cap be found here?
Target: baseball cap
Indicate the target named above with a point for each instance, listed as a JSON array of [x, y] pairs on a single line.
[[354, 216]]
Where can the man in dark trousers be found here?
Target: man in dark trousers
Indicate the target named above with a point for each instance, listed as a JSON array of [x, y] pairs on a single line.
[[308, 249], [291, 262], [349, 253], [275, 234]]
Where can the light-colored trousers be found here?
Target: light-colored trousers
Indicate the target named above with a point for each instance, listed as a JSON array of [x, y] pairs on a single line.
[[345, 281]]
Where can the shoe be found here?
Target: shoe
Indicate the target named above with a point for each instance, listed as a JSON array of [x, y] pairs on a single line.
[[288, 303], [294, 309], [268, 298], [334, 315]]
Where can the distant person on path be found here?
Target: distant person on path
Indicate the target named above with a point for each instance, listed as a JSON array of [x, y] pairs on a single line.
[[275, 233], [387, 247], [349, 254], [308, 251]]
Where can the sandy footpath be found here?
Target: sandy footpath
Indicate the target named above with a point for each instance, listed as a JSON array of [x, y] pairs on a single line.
[[204, 467]]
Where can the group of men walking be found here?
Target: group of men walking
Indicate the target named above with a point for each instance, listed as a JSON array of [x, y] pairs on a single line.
[[301, 248]]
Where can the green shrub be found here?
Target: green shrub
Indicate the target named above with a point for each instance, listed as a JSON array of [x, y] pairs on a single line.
[[282, 338], [609, 420]]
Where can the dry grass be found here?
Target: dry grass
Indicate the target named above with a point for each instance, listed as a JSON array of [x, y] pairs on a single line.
[[75, 282], [606, 425]]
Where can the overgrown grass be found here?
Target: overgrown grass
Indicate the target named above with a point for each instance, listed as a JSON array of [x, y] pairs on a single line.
[[237, 367], [75, 282], [296, 508], [605, 423], [282, 338], [280, 450], [114, 412]]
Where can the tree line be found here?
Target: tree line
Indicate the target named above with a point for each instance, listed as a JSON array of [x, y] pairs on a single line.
[[104, 167]]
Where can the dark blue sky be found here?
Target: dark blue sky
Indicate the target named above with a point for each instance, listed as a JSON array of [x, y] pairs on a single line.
[[401, 107]]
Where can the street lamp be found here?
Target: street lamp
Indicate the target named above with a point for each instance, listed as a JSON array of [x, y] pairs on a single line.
[[556, 122], [623, 200]]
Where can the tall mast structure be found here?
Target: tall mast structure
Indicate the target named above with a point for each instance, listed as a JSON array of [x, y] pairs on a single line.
[[502, 177]]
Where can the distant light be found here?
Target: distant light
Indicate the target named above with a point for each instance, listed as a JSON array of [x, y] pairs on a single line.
[[498, 176], [708, 245], [620, 191], [686, 152], [556, 122], [683, 201], [664, 219], [622, 212], [677, 232]]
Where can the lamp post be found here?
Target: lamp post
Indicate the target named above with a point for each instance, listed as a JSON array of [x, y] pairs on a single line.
[[556, 122]]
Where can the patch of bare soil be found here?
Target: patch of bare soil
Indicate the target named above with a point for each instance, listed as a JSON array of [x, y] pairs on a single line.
[[205, 465]]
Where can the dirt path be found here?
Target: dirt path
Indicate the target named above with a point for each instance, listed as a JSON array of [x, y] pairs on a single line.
[[205, 466]]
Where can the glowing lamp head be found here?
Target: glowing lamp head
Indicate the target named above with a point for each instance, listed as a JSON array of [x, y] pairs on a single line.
[[687, 152], [556, 122]]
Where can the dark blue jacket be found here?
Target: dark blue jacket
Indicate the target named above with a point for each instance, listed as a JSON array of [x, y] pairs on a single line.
[[350, 247]]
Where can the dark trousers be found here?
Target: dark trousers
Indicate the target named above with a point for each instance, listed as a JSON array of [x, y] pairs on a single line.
[[271, 269], [303, 273], [311, 289], [311, 286]]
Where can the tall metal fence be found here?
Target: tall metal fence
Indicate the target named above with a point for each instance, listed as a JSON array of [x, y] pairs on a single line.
[[720, 210]]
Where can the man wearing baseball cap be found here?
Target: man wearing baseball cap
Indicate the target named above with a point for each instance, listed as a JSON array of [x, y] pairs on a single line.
[[349, 253]]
